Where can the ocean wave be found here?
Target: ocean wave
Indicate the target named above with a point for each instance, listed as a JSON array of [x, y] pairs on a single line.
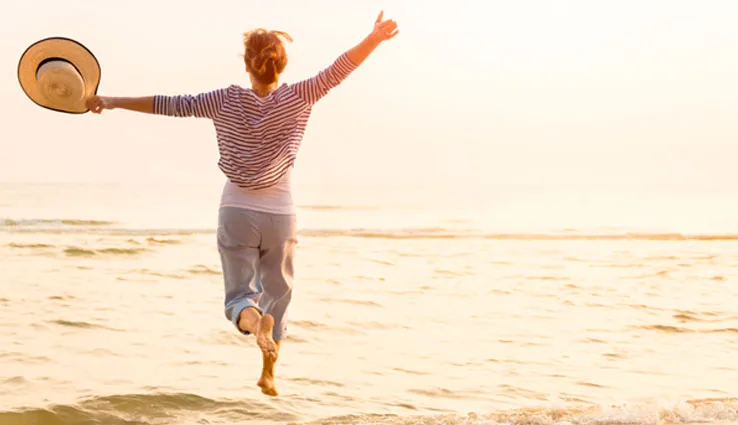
[[77, 251], [30, 245], [146, 409], [688, 412], [53, 222], [109, 231], [441, 233], [161, 241], [74, 251], [164, 236]]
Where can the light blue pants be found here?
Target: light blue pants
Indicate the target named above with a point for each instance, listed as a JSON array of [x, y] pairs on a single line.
[[257, 251]]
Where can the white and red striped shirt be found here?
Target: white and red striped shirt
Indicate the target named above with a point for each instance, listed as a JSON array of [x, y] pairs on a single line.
[[258, 138]]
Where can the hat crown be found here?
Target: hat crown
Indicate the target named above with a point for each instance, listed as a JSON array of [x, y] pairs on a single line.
[[59, 81], [59, 74]]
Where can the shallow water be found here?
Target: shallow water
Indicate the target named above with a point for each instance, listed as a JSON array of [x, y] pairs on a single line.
[[111, 313]]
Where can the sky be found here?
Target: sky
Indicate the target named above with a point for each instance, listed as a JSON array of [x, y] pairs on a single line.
[[604, 95]]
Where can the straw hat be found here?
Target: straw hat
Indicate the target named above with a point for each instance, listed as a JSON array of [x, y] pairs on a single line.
[[59, 74]]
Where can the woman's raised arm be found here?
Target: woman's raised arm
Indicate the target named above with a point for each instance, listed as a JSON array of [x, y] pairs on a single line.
[[313, 89]]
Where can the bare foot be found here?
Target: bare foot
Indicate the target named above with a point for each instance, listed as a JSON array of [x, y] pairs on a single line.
[[266, 382], [264, 337], [248, 321], [267, 385]]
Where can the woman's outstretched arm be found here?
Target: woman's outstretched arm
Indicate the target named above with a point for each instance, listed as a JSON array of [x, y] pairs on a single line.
[[204, 105], [313, 89], [97, 104]]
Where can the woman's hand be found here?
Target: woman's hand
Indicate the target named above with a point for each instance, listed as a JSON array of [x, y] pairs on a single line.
[[384, 30], [98, 103]]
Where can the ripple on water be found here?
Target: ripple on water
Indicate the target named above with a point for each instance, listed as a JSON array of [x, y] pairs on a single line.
[[74, 251], [318, 382], [684, 316], [439, 393], [590, 385], [223, 337], [100, 352], [683, 330], [203, 270], [350, 301], [643, 307], [446, 273], [381, 261], [24, 358], [148, 272], [405, 406], [15, 380], [409, 372], [523, 392], [30, 246], [662, 258], [378, 325], [162, 241], [296, 339], [82, 325], [309, 324], [62, 297]]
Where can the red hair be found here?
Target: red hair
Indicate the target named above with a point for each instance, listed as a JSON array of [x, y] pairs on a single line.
[[265, 55]]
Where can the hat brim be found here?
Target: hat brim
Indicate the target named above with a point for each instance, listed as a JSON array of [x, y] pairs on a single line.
[[68, 50]]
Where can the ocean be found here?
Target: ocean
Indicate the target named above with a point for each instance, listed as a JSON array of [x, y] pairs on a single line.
[[411, 306]]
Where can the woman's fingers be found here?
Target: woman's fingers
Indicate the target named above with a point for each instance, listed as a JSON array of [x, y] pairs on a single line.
[[379, 18], [95, 104], [388, 29], [92, 103]]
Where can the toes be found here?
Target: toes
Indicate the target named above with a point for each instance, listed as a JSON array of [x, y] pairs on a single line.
[[270, 391], [267, 387], [268, 347], [272, 354]]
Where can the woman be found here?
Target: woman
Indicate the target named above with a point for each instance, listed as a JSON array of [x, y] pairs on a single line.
[[259, 131]]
